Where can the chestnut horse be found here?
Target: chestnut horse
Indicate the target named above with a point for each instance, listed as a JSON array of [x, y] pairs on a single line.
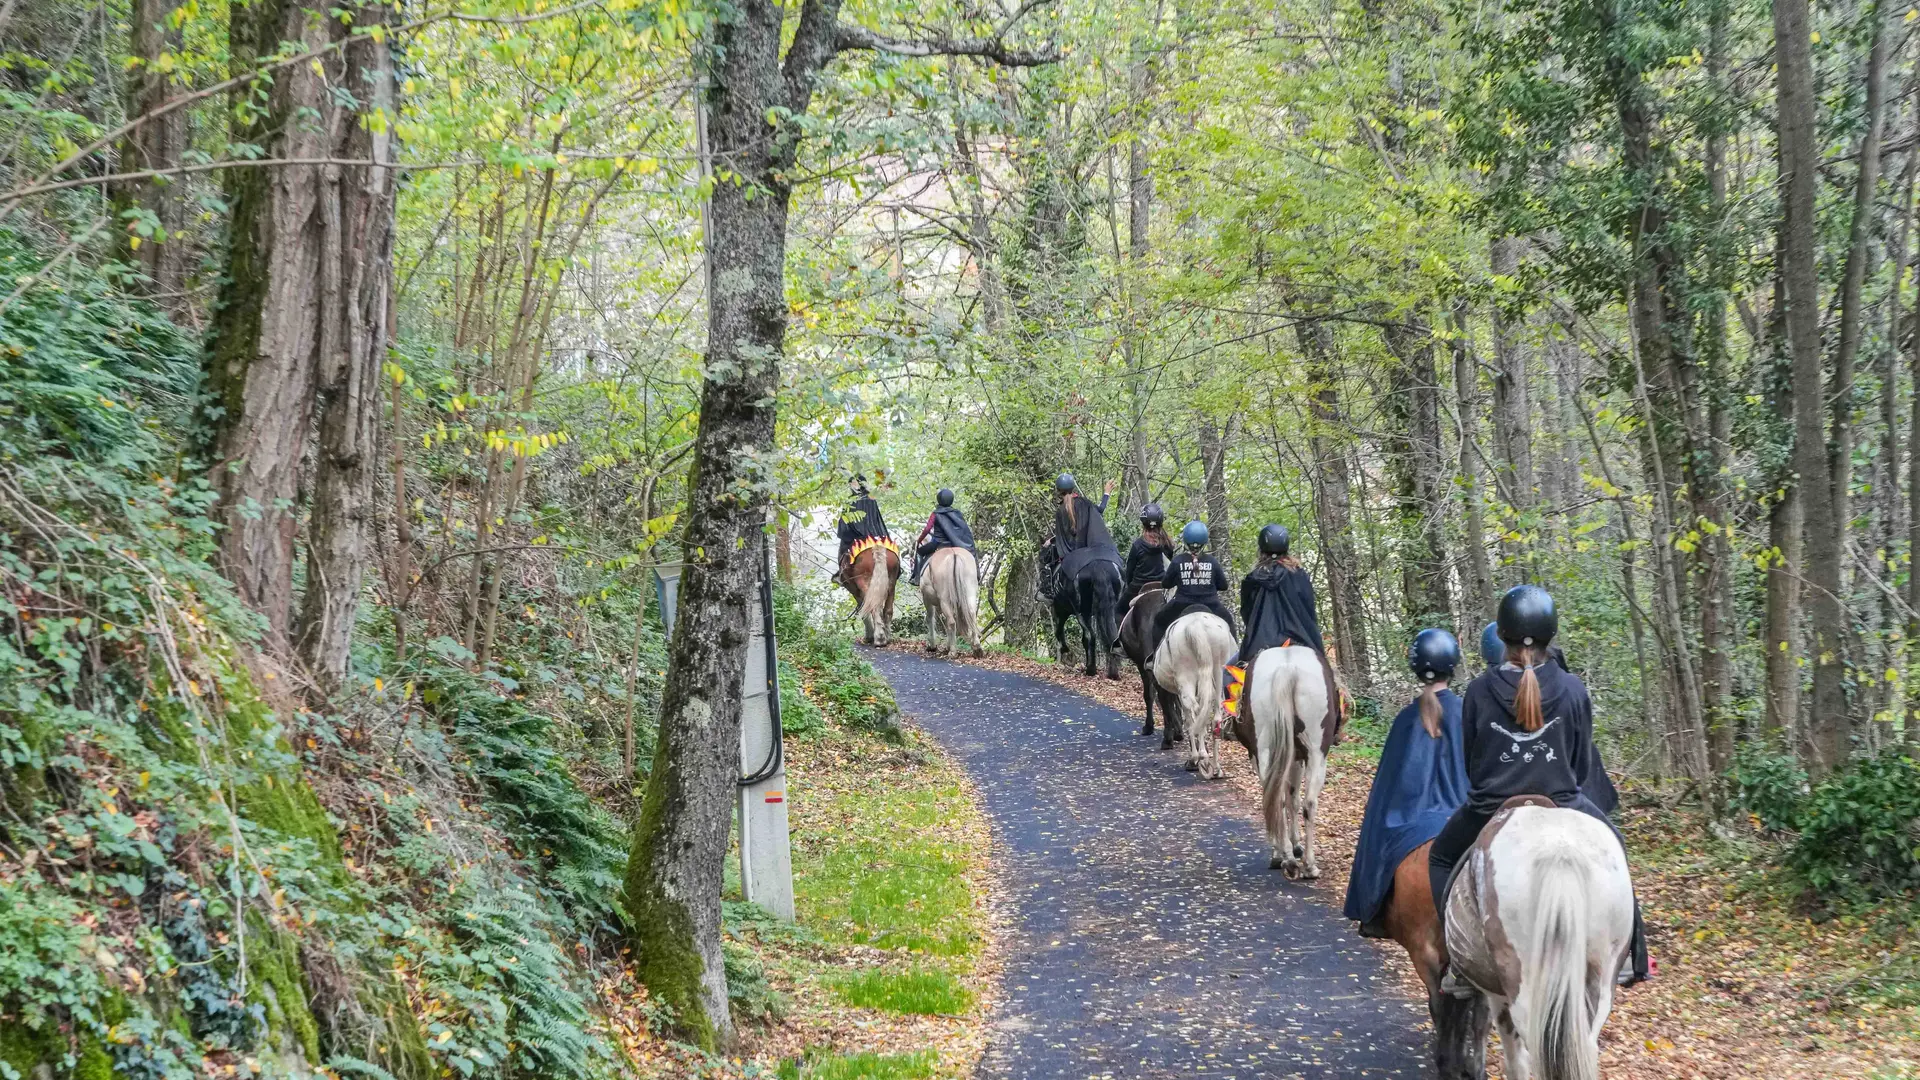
[[1459, 1023], [872, 589], [1135, 627]]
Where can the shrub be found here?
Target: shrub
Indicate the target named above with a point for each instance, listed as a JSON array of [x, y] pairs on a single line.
[[1860, 830], [1769, 785]]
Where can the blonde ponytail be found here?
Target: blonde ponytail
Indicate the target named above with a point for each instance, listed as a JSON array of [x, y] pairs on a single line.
[[1430, 711], [1526, 700]]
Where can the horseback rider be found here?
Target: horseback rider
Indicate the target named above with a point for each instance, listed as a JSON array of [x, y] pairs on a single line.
[[1074, 520], [945, 528], [860, 521], [1527, 728], [1420, 782], [1276, 601], [1147, 558], [1196, 579]]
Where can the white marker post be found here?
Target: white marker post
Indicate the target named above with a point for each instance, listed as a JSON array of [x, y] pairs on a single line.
[[766, 866]]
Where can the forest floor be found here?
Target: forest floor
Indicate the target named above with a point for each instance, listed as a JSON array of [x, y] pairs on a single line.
[[1748, 984], [891, 970]]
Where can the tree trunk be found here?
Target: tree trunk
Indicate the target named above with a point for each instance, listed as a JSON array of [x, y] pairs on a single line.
[[1479, 602], [1022, 609], [674, 872], [1828, 741], [1780, 718], [1333, 508], [355, 303], [1139, 224], [262, 363], [1512, 415], [1213, 465], [783, 546], [1422, 480], [160, 143]]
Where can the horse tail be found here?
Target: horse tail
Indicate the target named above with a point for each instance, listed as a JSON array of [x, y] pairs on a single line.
[[966, 594], [1274, 716], [1556, 1018], [873, 599]]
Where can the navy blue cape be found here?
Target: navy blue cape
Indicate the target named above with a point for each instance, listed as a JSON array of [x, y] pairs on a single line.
[[1420, 783]]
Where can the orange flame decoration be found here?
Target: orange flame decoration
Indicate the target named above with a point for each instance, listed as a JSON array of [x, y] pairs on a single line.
[[872, 542]]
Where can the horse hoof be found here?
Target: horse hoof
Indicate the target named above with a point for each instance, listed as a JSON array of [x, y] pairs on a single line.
[[1299, 852], [1191, 766], [978, 652], [1166, 744], [1311, 873], [1276, 863], [1148, 730]]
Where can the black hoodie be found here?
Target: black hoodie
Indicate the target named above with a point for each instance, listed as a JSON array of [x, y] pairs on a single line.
[[1504, 760], [1276, 606]]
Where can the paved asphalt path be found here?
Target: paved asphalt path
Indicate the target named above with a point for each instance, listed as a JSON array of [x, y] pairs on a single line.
[[1149, 939]]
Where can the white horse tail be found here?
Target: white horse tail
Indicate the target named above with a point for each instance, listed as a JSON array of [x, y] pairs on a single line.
[[1269, 697], [966, 594], [879, 593], [1553, 1010]]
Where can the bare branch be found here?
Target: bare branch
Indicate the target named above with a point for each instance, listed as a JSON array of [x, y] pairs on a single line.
[[848, 37]]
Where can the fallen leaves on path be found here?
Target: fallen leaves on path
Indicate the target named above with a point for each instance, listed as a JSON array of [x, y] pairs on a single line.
[[1746, 988]]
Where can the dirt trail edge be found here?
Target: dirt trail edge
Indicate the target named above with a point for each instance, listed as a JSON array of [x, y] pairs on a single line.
[[1147, 939]]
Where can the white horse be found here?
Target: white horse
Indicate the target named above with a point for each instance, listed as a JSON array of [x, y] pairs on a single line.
[[1296, 720], [950, 588], [1188, 665], [1539, 921]]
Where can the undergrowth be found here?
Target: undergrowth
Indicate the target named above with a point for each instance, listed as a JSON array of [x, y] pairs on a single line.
[[200, 872]]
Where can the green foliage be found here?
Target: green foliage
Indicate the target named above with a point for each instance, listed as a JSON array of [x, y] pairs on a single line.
[[1860, 829], [892, 882], [748, 993], [510, 749], [84, 372], [829, 671], [829, 1066], [1771, 786], [928, 991]]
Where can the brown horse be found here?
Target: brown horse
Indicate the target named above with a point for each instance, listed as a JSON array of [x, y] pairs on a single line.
[[872, 588], [1459, 1023]]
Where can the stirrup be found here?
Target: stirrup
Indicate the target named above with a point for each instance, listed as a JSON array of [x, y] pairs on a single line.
[[1453, 986]]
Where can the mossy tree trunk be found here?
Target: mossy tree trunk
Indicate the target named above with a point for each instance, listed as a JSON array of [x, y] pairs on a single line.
[[680, 840], [302, 317]]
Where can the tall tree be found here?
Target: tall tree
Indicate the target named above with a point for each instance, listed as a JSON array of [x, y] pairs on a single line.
[[756, 98], [160, 143], [1799, 154]]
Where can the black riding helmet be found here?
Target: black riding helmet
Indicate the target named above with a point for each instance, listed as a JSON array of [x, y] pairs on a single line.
[[1152, 515], [1274, 540], [1433, 655], [945, 498], [1065, 483], [1527, 616]]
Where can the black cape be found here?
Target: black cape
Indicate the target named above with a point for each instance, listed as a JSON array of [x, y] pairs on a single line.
[[949, 529], [861, 521], [1421, 781], [1276, 606], [1084, 539]]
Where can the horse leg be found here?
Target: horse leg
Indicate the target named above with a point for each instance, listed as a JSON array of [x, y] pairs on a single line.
[[1517, 1064], [1146, 693], [1172, 728], [1316, 768], [1290, 812], [1267, 760]]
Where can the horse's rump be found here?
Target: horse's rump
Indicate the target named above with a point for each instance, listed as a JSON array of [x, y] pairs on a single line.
[[1540, 915]]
